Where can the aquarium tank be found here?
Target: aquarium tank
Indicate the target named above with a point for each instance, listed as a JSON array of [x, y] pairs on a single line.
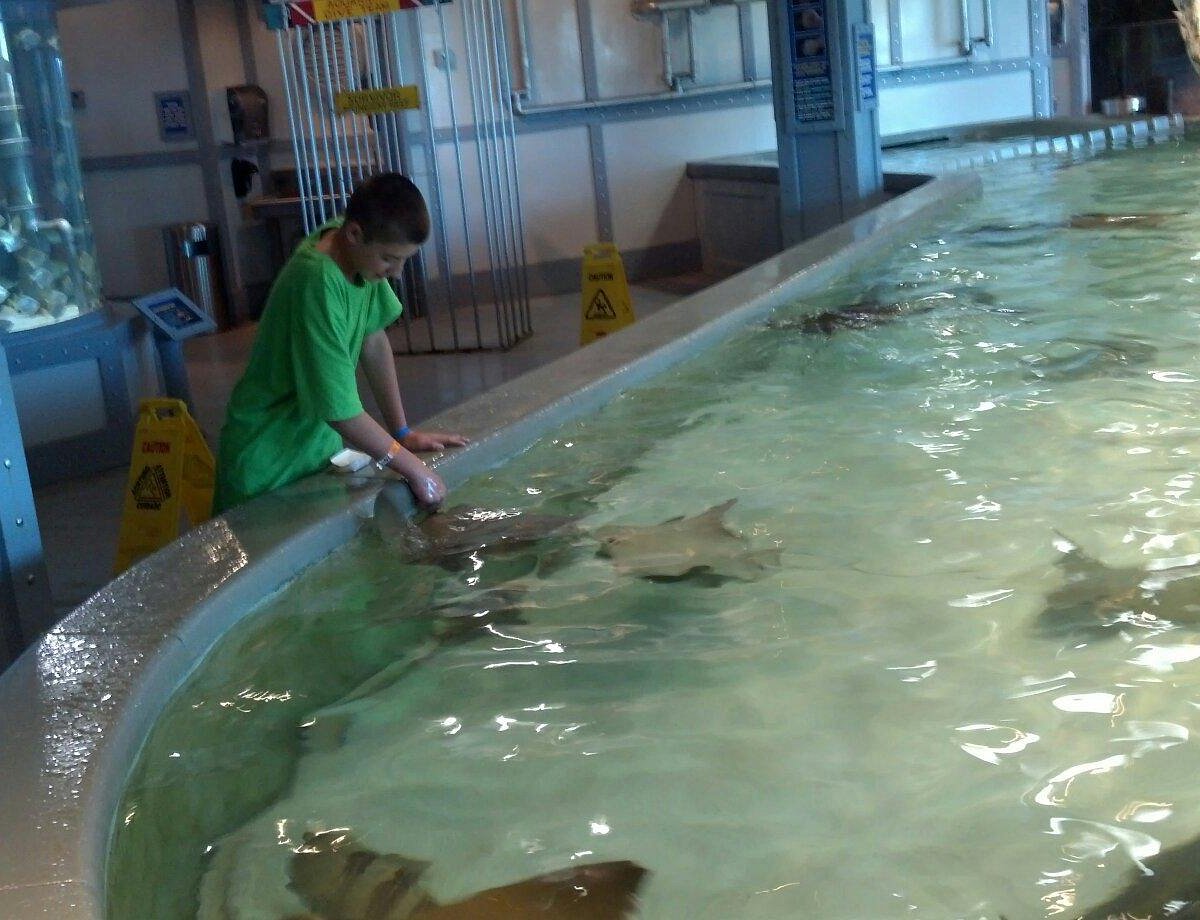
[[48, 268]]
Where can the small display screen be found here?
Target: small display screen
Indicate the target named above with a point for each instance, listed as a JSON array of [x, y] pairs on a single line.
[[174, 314]]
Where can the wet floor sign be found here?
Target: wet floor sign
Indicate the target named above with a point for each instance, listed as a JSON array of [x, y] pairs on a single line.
[[171, 473], [606, 303]]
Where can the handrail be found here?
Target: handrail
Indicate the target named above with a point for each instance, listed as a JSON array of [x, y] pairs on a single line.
[[646, 8], [519, 107], [969, 41]]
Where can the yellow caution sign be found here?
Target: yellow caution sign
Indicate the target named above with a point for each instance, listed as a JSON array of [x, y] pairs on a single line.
[[171, 473], [606, 303]]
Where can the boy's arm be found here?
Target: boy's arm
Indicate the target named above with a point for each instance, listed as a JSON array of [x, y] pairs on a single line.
[[366, 434], [379, 365]]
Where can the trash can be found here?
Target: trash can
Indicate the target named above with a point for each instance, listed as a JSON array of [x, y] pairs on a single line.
[[194, 266]]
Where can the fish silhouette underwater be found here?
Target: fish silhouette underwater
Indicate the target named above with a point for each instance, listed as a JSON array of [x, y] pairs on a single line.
[[1078, 359], [338, 879], [1171, 890], [1003, 234], [1098, 600], [700, 546]]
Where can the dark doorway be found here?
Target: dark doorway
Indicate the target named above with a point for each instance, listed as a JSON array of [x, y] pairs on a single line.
[[1137, 50]]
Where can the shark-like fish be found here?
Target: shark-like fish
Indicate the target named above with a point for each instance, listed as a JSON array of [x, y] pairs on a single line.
[[338, 879], [699, 546], [1098, 600]]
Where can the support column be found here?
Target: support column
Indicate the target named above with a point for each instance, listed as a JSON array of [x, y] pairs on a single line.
[[826, 95], [25, 606]]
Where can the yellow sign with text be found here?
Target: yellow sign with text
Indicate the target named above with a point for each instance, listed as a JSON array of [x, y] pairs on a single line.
[[333, 10], [606, 303], [171, 473], [377, 101]]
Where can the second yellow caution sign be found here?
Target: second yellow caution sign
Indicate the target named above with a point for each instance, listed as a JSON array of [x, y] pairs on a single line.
[[171, 473], [606, 303]]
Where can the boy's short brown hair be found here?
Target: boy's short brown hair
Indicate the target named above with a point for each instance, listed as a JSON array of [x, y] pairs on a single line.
[[390, 209]]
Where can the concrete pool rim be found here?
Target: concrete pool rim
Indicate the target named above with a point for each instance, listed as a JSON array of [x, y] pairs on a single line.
[[75, 708]]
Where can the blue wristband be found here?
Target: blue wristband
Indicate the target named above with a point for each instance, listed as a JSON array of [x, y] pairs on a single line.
[[402, 433]]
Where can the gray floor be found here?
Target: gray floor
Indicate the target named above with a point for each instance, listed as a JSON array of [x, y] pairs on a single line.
[[80, 520]]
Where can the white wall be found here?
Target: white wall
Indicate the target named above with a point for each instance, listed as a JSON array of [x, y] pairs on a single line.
[[121, 51]]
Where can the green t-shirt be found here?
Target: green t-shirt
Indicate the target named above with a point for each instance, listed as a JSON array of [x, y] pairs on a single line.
[[301, 375]]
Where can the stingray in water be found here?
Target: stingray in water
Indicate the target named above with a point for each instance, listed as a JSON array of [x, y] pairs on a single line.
[[338, 879], [870, 313], [1077, 359], [1098, 600], [1016, 234], [701, 546], [453, 538], [1171, 890]]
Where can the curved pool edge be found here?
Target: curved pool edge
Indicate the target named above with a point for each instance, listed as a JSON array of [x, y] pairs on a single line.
[[76, 707]]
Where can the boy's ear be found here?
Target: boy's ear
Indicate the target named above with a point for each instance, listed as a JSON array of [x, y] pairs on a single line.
[[354, 232]]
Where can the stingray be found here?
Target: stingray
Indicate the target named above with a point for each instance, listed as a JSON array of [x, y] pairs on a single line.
[[1168, 890], [1099, 600], [869, 313], [1003, 234], [701, 546], [1077, 359], [338, 879], [453, 538], [1109, 221], [865, 314]]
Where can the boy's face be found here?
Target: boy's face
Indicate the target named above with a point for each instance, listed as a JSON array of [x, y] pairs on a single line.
[[374, 261]]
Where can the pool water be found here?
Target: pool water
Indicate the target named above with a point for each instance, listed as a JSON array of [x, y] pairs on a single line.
[[889, 723]]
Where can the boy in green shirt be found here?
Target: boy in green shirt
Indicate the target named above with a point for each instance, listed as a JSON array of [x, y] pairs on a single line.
[[327, 311]]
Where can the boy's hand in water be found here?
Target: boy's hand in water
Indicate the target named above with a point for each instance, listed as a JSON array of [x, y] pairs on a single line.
[[433, 440], [426, 485]]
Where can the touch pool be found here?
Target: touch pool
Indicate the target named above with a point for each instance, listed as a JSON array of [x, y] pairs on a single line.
[[959, 681]]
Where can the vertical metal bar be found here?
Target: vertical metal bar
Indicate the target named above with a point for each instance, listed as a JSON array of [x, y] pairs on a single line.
[[462, 188], [895, 32], [318, 189], [527, 89], [746, 39], [294, 126], [967, 46], [322, 167], [989, 23], [515, 217], [490, 70], [475, 67], [347, 32], [436, 181], [419, 272], [378, 125], [334, 136]]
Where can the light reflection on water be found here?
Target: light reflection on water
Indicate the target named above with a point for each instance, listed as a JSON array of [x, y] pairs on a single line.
[[878, 728]]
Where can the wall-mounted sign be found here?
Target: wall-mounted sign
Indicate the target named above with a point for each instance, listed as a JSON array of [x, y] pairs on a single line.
[[812, 79], [377, 101], [174, 112], [308, 12], [864, 65]]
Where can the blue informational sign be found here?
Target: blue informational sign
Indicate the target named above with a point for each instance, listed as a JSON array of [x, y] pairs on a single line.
[[812, 78], [174, 315], [174, 111], [864, 58]]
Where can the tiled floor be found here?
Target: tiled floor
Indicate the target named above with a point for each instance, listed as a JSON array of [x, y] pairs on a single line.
[[80, 520]]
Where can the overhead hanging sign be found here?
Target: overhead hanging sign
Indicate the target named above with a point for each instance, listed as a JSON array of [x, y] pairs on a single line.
[[377, 101]]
